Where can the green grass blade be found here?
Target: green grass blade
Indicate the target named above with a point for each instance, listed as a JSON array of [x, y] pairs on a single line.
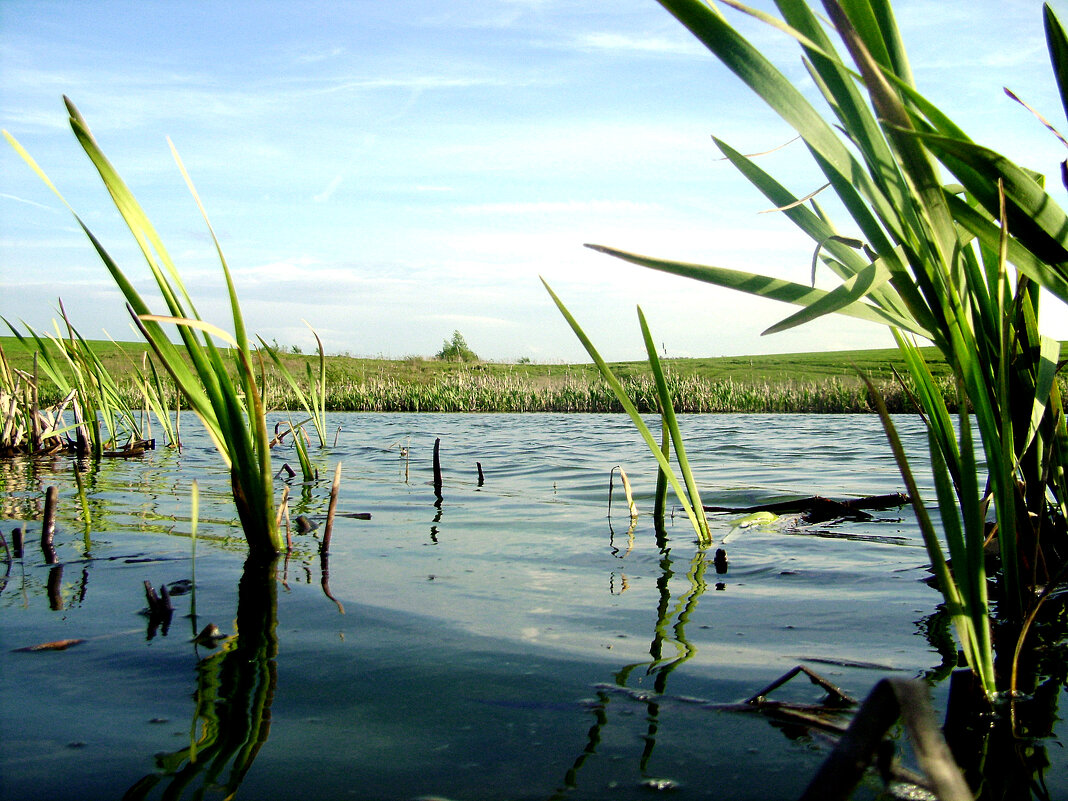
[[981, 224], [668, 410], [1057, 44], [759, 285], [849, 292], [1034, 217], [1050, 350], [320, 389], [628, 406], [947, 585]]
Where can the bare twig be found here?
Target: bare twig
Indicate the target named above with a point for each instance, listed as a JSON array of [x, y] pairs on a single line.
[[437, 468]]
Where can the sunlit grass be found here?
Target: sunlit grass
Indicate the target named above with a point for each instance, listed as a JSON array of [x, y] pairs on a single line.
[[956, 264], [230, 408]]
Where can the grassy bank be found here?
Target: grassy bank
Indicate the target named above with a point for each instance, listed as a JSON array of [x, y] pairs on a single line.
[[801, 382]]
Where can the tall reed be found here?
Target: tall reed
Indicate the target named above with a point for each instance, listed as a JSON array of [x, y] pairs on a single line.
[[232, 411], [690, 498], [931, 260]]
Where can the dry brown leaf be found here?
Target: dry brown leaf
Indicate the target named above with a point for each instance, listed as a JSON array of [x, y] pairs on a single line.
[[55, 645]]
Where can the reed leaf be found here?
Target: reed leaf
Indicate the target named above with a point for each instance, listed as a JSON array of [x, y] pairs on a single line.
[[755, 284], [628, 406], [667, 409], [314, 400]]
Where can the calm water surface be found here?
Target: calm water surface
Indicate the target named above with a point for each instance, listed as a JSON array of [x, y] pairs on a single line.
[[508, 641]]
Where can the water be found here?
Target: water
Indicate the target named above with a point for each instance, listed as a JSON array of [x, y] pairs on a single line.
[[509, 641]]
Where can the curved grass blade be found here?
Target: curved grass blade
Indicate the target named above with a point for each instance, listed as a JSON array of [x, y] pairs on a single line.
[[759, 285], [667, 409], [1057, 43], [849, 292], [628, 406]]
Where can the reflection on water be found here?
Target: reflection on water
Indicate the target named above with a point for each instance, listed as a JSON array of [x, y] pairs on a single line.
[[670, 630], [232, 703], [486, 637]]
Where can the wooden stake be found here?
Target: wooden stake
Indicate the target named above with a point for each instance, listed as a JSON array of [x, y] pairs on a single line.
[[48, 529], [330, 510], [437, 468]]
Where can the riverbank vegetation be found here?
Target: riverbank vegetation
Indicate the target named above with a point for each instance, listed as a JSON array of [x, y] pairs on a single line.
[[777, 383]]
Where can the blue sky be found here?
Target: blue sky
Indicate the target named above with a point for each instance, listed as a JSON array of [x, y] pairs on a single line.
[[392, 171]]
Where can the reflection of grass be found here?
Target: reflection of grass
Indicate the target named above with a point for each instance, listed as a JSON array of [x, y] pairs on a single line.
[[671, 620], [672, 615], [235, 690]]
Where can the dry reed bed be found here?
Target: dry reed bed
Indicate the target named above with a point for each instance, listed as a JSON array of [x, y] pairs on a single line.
[[473, 391]]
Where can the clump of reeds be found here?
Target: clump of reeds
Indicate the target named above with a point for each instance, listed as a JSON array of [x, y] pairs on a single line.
[[957, 264], [107, 420], [25, 426], [231, 409]]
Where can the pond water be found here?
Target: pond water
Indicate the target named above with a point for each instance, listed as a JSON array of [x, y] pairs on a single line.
[[508, 641]]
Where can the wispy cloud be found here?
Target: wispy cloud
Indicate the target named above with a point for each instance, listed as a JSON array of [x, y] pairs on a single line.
[[406, 82], [627, 43], [331, 187], [386, 164], [319, 56], [28, 202]]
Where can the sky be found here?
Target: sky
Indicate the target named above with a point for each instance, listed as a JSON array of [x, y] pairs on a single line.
[[390, 172]]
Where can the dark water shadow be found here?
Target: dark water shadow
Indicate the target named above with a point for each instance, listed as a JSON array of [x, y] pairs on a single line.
[[234, 692], [1006, 752]]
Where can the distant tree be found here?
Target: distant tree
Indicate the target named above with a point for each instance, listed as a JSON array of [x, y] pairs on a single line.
[[456, 350]]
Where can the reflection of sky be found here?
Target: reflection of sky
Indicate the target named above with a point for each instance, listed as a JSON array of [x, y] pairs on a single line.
[[481, 657], [391, 172]]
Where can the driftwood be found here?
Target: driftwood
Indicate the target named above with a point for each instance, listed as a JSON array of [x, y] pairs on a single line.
[[816, 509], [55, 645], [134, 448], [890, 700]]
